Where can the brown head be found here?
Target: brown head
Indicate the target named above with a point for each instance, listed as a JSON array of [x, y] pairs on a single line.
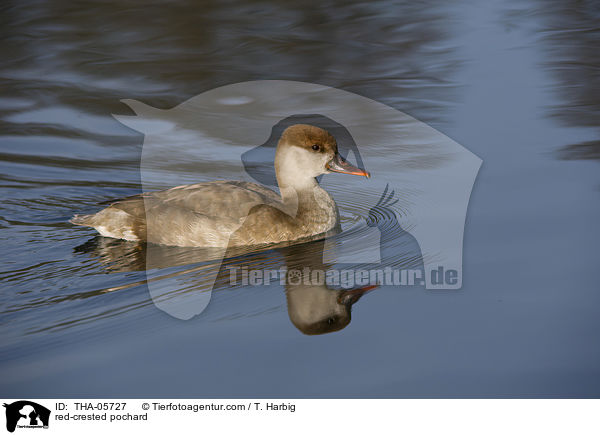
[[305, 152], [316, 309]]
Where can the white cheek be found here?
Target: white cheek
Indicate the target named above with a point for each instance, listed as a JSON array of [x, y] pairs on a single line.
[[309, 162], [324, 159], [319, 160], [301, 163]]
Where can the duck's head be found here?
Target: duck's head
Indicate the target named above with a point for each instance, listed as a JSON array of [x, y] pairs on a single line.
[[305, 152], [316, 309]]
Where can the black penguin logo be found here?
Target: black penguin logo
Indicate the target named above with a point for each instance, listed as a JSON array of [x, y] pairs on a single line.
[[30, 412]]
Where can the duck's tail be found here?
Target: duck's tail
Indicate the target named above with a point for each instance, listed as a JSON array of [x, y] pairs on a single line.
[[82, 219]]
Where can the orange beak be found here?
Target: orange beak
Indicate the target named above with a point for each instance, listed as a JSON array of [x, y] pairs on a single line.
[[338, 164]]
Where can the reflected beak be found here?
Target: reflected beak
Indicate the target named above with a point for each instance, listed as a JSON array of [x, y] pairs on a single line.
[[338, 164], [350, 297]]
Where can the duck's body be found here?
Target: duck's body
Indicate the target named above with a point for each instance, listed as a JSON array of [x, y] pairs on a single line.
[[237, 213], [214, 214]]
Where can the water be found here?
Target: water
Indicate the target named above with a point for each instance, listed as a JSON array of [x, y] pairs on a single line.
[[514, 82]]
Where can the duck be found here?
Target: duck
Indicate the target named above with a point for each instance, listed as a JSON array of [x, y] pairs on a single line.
[[222, 214]]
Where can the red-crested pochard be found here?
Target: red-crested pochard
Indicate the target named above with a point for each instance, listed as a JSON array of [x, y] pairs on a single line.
[[237, 213]]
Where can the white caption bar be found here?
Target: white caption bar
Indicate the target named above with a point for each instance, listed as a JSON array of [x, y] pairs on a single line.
[[276, 416]]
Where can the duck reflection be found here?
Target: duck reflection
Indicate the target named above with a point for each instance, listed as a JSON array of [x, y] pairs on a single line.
[[313, 307]]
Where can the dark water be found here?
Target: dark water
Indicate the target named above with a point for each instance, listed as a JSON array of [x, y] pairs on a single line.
[[516, 83]]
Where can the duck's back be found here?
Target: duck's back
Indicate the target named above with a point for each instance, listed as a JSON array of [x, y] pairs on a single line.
[[203, 214]]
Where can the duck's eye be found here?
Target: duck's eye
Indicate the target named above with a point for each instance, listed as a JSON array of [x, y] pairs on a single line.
[[316, 147]]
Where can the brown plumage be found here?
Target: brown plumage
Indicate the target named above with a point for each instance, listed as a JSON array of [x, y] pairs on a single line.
[[237, 213]]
